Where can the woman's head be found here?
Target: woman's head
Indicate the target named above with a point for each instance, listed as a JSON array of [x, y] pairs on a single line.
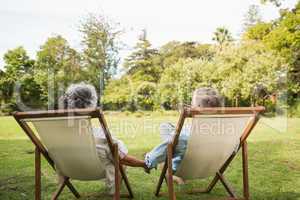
[[79, 95], [206, 97]]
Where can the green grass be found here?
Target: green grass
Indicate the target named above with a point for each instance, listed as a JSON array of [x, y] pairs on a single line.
[[274, 162]]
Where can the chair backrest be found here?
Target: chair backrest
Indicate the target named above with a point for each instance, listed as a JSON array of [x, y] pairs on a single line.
[[71, 145], [214, 138]]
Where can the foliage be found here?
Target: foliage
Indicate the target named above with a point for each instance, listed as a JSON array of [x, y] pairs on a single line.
[[101, 47], [162, 77], [137, 87], [145, 96], [222, 36], [57, 65], [118, 94], [277, 3], [240, 69], [29, 84], [283, 36], [178, 81], [17, 83], [235, 71], [173, 51], [257, 31], [294, 110], [144, 87], [140, 63], [252, 17]]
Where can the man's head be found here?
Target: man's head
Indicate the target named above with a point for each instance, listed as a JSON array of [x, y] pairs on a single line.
[[79, 95], [206, 97]]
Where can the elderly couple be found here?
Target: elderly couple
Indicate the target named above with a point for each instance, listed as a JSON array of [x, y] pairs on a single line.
[[84, 96]]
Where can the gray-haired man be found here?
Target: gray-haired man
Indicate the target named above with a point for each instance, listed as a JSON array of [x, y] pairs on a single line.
[[202, 97]]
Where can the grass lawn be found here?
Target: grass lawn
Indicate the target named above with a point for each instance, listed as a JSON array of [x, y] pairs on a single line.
[[274, 162]]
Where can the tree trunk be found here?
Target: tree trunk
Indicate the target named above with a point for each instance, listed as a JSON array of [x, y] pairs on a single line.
[[237, 102]]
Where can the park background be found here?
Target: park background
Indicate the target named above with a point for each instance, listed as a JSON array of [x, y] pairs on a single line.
[[260, 66], [139, 90]]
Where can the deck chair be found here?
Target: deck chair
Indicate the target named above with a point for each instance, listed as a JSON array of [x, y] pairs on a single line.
[[216, 136], [65, 140]]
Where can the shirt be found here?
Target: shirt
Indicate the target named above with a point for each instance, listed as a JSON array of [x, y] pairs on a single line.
[[102, 144], [106, 157]]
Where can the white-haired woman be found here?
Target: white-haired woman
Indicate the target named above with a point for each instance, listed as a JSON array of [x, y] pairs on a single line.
[[84, 96]]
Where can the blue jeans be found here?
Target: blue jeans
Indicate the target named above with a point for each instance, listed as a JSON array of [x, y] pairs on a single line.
[[159, 153]]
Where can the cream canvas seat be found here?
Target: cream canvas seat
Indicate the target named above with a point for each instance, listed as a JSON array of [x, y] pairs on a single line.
[[216, 136], [66, 140]]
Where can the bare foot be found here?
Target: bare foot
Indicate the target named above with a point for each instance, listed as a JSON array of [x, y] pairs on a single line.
[[178, 180]]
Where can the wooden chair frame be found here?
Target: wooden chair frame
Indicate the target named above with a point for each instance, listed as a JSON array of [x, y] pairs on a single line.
[[41, 150], [167, 172]]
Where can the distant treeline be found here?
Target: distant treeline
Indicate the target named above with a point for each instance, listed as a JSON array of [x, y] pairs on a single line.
[[263, 67]]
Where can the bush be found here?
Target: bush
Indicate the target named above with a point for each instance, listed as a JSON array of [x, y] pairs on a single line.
[[145, 96], [294, 111]]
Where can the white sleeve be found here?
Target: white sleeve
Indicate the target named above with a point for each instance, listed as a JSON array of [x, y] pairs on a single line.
[[99, 134], [123, 151]]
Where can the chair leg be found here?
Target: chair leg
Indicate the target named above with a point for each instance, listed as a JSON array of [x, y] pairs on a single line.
[[59, 190], [124, 176], [38, 178], [72, 188], [212, 184], [226, 185], [170, 174], [222, 170], [161, 179], [245, 170], [166, 180], [117, 173], [37, 174]]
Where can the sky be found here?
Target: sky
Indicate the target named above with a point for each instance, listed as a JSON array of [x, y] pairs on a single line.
[[29, 23]]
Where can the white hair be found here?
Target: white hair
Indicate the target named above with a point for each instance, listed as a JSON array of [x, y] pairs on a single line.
[[80, 95], [206, 97]]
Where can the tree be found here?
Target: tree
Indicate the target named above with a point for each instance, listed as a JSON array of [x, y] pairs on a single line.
[[285, 39], [242, 68], [257, 31], [173, 51], [145, 96], [277, 3], [252, 17], [57, 66], [282, 36], [140, 63], [18, 88], [142, 72], [178, 81], [119, 94], [142, 87], [101, 48], [235, 72], [17, 62], [222, 36]]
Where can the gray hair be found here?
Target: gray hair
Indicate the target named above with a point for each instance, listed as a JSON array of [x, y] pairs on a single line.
[[206, 97], [79, 95]]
